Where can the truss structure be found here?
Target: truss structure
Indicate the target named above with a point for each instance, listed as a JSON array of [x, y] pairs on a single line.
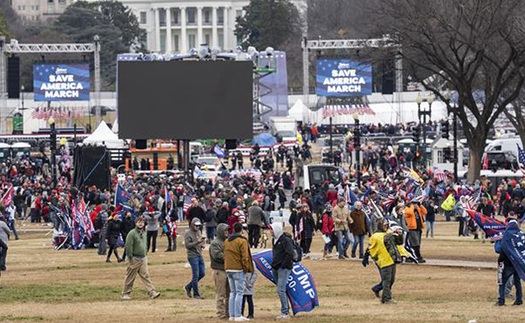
[[385, 42], [14, 48]]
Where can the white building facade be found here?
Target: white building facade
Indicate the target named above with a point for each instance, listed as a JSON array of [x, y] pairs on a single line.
[[39, 10], [176, 26]]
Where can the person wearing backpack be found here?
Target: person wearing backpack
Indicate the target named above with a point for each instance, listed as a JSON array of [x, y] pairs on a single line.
[[210, 220], [282, 264]]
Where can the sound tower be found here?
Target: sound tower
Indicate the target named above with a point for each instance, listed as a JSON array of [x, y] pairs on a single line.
[[13, 77]]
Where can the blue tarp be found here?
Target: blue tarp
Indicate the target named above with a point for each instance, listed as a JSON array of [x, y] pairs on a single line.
[[264, 139]]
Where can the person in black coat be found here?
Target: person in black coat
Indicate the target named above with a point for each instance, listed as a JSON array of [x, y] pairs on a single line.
[[223, 213], [114, 229], [282, 264], [126, 226], [306, 226]]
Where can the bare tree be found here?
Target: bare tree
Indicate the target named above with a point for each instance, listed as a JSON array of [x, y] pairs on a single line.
[[473, 46]]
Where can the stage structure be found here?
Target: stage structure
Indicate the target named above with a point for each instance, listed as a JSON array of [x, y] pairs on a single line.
[[320, 44], [14, 48]]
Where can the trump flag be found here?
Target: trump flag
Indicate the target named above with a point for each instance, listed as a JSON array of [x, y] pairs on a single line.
[[493, 228], [301, 289]]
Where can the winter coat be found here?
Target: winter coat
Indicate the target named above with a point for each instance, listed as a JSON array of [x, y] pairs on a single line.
[[359, 226], [282, 248], [328, 224], [237, 255], [222, 215], [410, 216], [256, 216], [192, 240], [114, 228], [342, 218], [217, 248], [249, 283]]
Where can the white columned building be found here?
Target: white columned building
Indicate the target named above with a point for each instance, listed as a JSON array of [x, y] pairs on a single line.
[[176, 26]]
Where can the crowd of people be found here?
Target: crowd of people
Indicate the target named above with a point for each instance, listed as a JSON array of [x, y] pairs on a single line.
[[220, 211]]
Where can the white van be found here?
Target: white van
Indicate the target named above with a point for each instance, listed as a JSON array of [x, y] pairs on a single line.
[[505, 144]]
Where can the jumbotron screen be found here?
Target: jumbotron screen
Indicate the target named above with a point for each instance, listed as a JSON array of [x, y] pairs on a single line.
[[185, 99]]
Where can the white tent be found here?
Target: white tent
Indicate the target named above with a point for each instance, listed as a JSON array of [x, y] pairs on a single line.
[[104, 136], [297, 110]]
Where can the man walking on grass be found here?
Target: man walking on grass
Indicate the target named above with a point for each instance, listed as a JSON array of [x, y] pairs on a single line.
[[138, 263]]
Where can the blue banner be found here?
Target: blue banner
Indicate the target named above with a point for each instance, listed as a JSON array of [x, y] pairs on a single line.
[[301, 289], [513, 244], [493, 228], [343, 78], [61, 82]]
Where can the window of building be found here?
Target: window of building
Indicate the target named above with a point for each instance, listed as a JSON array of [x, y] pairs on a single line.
[[207, 16], [191, 41], [175, 17], [37, 8], [143, 17], [207, 39], [162, 42], [190, 13], [162, 18], [220, 16], [238, 13], [176, 45], [50, 1], [220, 40]]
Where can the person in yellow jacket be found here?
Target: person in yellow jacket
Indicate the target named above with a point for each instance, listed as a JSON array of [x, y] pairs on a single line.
[[385, 248]]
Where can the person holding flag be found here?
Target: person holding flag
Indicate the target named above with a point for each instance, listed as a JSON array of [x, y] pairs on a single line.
[[415, 217], [511, 262]]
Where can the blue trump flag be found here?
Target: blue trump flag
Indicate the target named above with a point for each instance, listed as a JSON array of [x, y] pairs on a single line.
[[301, 289], [219, 152], [121, 196], [513, 244], [493, 228]]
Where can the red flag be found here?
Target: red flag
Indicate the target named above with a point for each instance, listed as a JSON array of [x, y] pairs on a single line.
[[7, 199]]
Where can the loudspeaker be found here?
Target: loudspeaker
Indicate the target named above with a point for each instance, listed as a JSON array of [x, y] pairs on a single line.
[[231, 143], [141, 144], [13, 77], [387, 81], [92, 167]]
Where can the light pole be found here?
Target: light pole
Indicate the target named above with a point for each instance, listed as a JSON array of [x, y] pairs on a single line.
[[357, 147], [453, 110], [423, 113], [53, 147]]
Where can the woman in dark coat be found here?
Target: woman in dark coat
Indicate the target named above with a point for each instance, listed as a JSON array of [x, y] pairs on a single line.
[[114, 229]]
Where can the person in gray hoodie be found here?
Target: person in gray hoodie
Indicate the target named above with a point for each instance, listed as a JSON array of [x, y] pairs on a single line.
[[194, 243], [222, 294]]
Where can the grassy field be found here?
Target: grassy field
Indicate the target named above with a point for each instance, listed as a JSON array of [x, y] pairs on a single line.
[[78, 286]]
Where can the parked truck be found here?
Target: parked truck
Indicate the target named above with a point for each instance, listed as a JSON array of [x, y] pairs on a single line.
[[283, 128]]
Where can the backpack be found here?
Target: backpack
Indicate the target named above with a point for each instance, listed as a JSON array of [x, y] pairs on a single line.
[[297, 251]]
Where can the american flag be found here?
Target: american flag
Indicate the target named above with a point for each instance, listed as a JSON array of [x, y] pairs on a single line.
[[187, 203], [473, 199], [521, 159], [440, 176]]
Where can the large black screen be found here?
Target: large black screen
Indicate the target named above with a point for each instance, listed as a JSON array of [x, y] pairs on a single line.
[[185, 99]]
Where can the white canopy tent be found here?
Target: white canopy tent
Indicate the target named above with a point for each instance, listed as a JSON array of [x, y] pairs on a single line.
[[104, 136], [297, 110]]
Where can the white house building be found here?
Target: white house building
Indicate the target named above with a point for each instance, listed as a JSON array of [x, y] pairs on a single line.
[[176, 26]]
